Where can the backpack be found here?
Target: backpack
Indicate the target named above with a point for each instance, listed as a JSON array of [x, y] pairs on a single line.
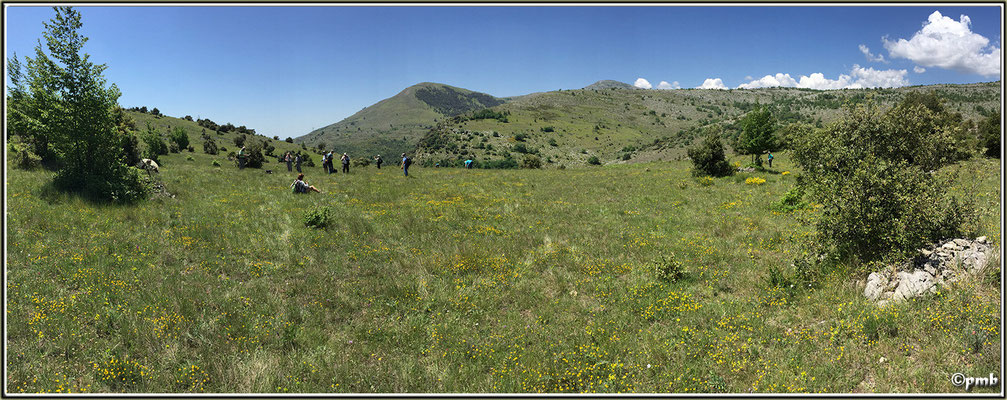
[[409, 161]]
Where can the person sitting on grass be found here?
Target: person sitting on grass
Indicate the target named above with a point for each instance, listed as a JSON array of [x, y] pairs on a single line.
[[299, 186]]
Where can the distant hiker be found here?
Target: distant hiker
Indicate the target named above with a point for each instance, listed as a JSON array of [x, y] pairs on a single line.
[[297, 161], [299, 186], [378, 160], [329, 158], [770, 159], [405, 164], [468, 164], [289, 161], [241, 158], [346, 163]]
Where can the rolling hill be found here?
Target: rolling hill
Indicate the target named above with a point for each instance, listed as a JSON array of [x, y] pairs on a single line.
[[618, 125], [396, 124]]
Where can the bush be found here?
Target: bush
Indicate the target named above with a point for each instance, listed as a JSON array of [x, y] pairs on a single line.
[[215, 163], [531, 161], [361, 162], [317, 217], [23, 157], [989, 135], [189, 158], [289, 140], [173, 147], [871, 172], [130, 149], [210, 146], [593, 160], [190, 149], [708, 159], [669, 268], [155, 146], [791, 201], [255, 157], [180, 137]]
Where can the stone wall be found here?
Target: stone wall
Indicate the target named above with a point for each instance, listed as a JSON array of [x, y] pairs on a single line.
[[933, 268]]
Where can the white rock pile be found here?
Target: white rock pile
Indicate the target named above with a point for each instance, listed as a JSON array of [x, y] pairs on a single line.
[[934, 268]]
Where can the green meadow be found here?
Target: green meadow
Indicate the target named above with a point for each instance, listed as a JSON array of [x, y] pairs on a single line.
[[477, 281]]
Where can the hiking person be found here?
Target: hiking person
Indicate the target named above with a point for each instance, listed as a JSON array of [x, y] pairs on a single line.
[[770, 159], [241, 158], [297, 161], [332, 168], [468, 164], [405, 164], [289, 161], [378, 160], [346, 163], [299, 186]]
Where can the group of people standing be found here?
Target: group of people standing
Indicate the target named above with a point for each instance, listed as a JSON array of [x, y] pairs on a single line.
[[299, 186]]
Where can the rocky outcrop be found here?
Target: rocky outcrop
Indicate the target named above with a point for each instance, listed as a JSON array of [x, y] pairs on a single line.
[[934, 268]]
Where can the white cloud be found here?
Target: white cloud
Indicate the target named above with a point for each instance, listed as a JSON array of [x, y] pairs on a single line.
[[871, 57], [666, 85], [770, 81], [709, 83], [919, 70], [949, 44], [858, 78], [642, 83]]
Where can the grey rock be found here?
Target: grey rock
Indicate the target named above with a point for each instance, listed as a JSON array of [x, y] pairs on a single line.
[[962, 242], [876, 284], [981, 239], [949, 246]]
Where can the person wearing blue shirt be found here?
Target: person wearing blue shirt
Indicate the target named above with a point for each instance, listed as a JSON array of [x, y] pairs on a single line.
[[405, 164], [468, 164]]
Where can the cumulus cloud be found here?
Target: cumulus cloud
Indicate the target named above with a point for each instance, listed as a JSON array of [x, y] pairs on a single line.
[[666, 85], [712, 83], [919, 70], [949, 44], [871, 57], [770, 81], [858, 78], [642, 83]]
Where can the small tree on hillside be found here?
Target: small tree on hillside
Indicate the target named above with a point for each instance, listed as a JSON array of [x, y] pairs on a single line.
[[758, 134], [62, 104], [989, 135], [180, 137], [708, 158], [210, 146]]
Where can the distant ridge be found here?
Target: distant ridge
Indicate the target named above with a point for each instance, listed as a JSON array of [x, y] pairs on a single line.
[[609, 84]]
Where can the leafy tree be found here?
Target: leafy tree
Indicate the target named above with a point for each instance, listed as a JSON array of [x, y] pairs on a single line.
[[593, 160], [60, 102], [187, 118], [989, 135], [239, 140], [531, 161], [757, 136], [154, 111], [210, 146], [870, 171], [289, 139], [180, 137], [155, 146], [255, 157], [708, 158]]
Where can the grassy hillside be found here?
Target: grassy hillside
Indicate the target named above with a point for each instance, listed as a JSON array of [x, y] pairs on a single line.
[[464, 281], [395, 124], [225, 140], [626, 125]]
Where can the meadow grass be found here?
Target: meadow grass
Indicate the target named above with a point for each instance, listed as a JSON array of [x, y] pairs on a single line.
[[458, 280]]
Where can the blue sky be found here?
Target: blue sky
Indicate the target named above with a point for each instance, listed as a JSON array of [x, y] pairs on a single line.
[[286, 70]]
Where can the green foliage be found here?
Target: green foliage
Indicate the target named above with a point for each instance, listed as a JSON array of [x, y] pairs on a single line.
[[289, 139], [155, 146], [180, 137], [548, 129], [758, 133], [451, 102], [989, 135], [505, 163], [531, 161], [318, 217], [254, 155], [520, 137], [708, 158], [361, 161], [23, 157], [489, 114], [791, 201], [61, 104], [669, 268], [239, 140], [791, 132], [871, 173], [173, 147], [130, 148], [593, 160], [215, 163], [552, 142], [210, 146]]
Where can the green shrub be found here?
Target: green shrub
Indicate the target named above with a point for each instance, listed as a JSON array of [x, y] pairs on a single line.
[[708, 158], [215, 163], [173, 147], [180, 137], [791, 201], [877, 325], [989, 135], [361, 161], [210, 146], [155, 146], [871, 173], [23, 157], [593, 160], [531, 161], [255, 157], [669, 268], [189, 158], [317, 217]]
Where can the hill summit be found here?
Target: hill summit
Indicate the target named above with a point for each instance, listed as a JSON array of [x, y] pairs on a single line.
[[396, 124], [609, 84]]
